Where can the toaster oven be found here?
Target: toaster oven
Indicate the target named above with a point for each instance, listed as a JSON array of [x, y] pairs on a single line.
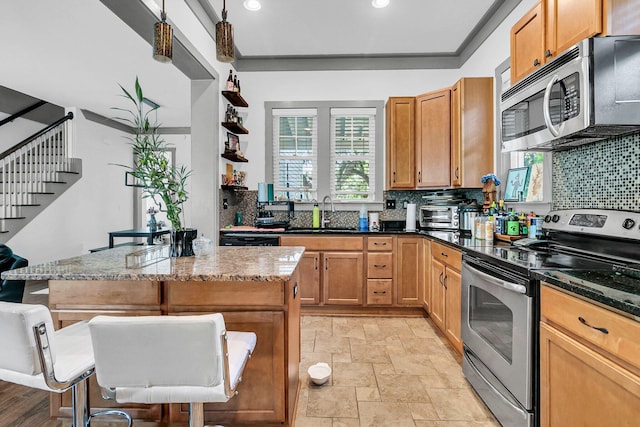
[[439, 217]]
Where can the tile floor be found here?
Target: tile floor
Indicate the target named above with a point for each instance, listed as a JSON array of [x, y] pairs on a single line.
[[387, 372]]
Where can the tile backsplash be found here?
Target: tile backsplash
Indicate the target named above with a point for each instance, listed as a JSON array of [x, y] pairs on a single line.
[[604, 175]]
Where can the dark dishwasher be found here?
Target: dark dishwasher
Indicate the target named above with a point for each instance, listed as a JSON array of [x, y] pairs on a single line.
[[249, 239]]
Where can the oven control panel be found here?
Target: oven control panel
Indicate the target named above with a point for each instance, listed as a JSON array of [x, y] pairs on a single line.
[[610, 223]]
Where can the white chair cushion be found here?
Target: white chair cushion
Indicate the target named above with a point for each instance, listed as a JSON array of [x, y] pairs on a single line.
[[151, 351], [240, 346]]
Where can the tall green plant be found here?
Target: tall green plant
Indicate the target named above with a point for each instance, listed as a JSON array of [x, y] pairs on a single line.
[[160, 181]]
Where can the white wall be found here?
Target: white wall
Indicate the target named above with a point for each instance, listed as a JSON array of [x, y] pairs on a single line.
[[260, 87], [18, 130], [98, 203]]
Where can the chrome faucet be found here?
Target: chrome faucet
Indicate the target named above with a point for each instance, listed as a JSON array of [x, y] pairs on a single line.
[[324, 220]]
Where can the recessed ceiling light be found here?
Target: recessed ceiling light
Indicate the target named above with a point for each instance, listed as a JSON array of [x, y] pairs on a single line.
[[379, 3], [253, 5]]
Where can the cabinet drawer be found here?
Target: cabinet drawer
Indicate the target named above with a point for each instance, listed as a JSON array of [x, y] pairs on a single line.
[[126, 293], [447, 255], [324, 243], [564, 310], [382, 243], [379, 265], [379, 292]]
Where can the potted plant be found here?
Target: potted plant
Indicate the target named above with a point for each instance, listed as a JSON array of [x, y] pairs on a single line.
[[161, 181]]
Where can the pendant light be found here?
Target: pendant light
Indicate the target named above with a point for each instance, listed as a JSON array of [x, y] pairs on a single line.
[[162, 39], [224, 38]]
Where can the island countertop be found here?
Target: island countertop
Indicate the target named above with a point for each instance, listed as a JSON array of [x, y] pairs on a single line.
[[219, 263]]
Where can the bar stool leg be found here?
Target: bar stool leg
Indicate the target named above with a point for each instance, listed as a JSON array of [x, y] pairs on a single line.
[[196, 414]]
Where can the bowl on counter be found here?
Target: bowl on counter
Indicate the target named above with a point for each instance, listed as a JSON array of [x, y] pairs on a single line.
[[319, 373]]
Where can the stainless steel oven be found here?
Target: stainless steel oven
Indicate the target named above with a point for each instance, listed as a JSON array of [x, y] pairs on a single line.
[[499, 333]]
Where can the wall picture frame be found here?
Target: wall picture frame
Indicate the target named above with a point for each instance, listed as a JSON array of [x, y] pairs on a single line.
[[233, 142], [516, 185]]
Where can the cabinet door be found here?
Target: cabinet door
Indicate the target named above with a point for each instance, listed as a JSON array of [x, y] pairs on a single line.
[[453, 308], [433, 139], [569, 21], [579, 387], [437, 293], [400, 144], [527, 43], [409, 271], [343, 278], [456, 135], [426, 275], [621, 17], [309, 267]]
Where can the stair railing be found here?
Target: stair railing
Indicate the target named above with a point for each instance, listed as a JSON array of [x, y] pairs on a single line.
[[27, 166]]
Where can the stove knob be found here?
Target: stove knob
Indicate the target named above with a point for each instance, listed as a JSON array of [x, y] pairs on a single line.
[[628, 224], [555, 218], [547, 218]]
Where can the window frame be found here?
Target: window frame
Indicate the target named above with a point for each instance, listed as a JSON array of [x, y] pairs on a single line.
[[324, 148]]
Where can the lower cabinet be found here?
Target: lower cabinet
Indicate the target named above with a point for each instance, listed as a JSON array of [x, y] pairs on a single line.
[[426, 275], [408, 271], [446, 306], [342, 278], [309, 267], [587, 377]]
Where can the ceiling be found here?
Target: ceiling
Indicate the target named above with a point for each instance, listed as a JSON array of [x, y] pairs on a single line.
[[76, 52]]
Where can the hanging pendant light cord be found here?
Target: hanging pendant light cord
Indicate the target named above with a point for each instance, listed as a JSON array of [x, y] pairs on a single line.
[[224, 10], [163, 15]]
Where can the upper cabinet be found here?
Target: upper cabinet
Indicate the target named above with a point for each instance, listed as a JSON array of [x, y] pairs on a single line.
[[472, 144], [553, 26], [400, 146], [441, 139], [433, 139]]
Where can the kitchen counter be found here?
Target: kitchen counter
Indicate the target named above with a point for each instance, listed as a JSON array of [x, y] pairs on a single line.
[[255, 288], [217, 264]]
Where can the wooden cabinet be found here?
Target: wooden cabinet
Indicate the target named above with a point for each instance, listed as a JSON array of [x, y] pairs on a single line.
[[309, 267], [426, 275], [433, 139], [553, 26], [332, 269], [446, 263], [380, 267], [409, 269], [342, 278], [472, 144], [400, 143], [527, 43], [587, 377]]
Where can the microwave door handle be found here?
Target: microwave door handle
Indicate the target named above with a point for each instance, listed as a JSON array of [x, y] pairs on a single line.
[[546, 108]]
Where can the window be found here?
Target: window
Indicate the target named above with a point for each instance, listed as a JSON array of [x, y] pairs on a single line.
[[325, 148], [353, 153]]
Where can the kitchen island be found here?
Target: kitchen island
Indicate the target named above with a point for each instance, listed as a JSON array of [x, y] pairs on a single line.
[[255, 288]]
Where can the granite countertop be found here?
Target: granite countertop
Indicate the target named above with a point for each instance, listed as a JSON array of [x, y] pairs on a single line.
[[219, 263], [619, 290]]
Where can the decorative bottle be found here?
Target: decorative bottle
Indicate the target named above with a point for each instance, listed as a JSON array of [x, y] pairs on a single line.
[[315, 223]]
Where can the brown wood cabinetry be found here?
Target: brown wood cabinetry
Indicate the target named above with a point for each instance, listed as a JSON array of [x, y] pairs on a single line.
[[433, 139], [445, 305], [400, 143], [553, 26], [409, 269], [471, 131], [309, 267], [426, 275], [333, 269], [587, 377]]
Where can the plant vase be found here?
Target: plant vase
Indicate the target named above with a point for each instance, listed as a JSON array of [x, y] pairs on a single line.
[[153, 225], [182, 242]]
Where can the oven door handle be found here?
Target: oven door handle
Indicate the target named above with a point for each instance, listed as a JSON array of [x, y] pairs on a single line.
[[514, 287]]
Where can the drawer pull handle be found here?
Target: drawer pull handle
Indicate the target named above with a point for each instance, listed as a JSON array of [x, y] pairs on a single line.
[[584, 322], [380, 292], [444, 255], [380, 243], [379, 265]]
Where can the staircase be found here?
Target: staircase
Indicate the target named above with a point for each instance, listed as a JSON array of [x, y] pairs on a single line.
[[34, 173]]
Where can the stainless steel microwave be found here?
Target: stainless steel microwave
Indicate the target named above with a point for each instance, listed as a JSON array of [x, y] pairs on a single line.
[[588, 93]]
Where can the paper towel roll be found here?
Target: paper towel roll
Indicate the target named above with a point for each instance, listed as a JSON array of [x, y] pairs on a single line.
[[262, 192], [411, 217]]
